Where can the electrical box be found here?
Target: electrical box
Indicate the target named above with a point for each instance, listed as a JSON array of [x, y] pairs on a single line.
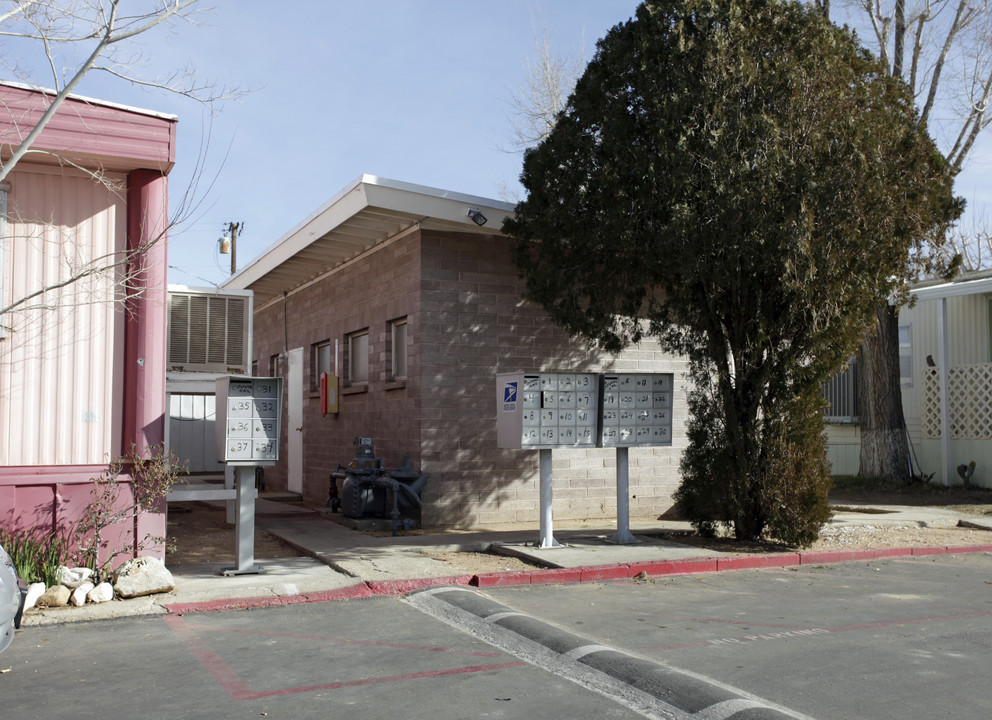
[[249, 420], [560, 410]]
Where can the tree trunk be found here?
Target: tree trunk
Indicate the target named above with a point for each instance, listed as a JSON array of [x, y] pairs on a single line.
[[884, 446]]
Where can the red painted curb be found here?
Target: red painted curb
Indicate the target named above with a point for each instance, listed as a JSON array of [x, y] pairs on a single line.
[[361, 590], [598, 573], [751, 562], [818, 557], [506, 579], [673, 567], [402, 587], [555, 576]]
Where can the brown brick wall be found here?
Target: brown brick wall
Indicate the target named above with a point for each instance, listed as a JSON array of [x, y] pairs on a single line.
[[368, 292]]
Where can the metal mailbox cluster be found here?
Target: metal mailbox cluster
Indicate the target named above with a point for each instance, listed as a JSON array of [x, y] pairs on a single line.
[[560, 410], [248, 431]]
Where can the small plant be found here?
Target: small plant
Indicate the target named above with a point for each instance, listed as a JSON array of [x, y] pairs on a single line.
[[36, 559], [152, 475]]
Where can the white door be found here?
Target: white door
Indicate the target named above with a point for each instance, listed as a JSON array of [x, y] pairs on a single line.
[[294, 409]]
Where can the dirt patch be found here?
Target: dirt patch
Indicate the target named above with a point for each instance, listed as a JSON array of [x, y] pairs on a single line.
[[201, 535]]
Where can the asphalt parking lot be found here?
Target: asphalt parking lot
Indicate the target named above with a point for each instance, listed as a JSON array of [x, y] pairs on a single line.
[[904, 638]]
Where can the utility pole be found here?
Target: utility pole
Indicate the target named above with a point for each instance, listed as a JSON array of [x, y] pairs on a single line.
[[229, 243]]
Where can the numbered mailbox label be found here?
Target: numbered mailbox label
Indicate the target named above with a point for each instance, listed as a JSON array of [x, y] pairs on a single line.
[[239, 449], [549, 382], [265, 408], [531, 417], [548, 417], [661, 383], [239, 407], [585, 435], [532, 398], [566, 399], [531, 436], [264, 428], [532, 383], [643, 417], [265, 389], [626, 400], [238, 428], [566, 417], [662, 399], [566, 382], [263, 450], [549, 399], [661, 434]]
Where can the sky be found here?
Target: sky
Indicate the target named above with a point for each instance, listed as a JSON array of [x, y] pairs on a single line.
[[412, 90]]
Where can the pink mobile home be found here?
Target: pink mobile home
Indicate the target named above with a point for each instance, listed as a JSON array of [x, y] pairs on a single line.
[[82, 367], [408, 295]]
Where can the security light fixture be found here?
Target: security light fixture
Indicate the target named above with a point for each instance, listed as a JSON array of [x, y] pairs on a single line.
[[477, 217]]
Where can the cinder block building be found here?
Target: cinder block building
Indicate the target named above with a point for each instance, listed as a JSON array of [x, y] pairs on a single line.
[[406, 298]]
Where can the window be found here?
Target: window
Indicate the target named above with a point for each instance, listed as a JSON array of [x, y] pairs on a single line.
[[906, 355], [321, 363], [273, 366], [397, 349], [358, 358], [841, 393]]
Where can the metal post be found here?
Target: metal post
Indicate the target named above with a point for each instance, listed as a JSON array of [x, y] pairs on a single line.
[[623, 534], [547, 538], [244, 525]]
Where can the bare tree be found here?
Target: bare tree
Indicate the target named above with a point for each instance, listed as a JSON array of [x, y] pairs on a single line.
[[943, 50], [537, 101], [73, 38]]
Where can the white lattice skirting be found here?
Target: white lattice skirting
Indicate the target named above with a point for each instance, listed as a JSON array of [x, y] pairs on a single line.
[[970, 402]]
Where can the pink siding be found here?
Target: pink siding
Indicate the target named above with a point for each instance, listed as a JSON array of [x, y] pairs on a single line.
[[74, 386], [121, 139], [60, 371]]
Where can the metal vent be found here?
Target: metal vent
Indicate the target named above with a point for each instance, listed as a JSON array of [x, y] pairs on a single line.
[[208, 332]]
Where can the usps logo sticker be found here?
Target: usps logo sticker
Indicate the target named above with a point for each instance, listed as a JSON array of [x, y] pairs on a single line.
[[510, 397]]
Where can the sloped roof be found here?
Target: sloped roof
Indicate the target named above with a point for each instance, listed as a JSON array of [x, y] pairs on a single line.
[[366, 213]]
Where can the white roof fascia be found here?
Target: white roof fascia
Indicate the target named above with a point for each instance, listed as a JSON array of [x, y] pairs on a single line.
[[91, 101], [334, 212], [373, 191], [953, 289]]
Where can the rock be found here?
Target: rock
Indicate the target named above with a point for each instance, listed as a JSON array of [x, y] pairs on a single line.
[[55, 596], [78, 597], [35, 591], [72, 577], [101, 593], [143, 576]]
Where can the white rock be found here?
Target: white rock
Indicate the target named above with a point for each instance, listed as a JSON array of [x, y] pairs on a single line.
[[101, 593], [72, 577], [35, 591], [79, 594], [143, 576]]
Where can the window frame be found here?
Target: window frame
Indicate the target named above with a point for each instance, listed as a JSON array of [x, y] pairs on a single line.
[[351, 338], [398, 349], [905, 351], [316, 367]]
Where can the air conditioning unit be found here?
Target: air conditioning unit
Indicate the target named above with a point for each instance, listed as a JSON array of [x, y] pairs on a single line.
[[210, 330]]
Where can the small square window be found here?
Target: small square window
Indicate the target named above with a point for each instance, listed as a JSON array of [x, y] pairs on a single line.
[[273, 366], [358, 358], [397, 347]]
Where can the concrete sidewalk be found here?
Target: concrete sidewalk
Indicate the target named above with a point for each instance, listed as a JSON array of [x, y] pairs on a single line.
[[343, 562]]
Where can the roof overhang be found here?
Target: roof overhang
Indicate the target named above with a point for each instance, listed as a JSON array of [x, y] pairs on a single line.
[[367, 213], [958, 288]]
